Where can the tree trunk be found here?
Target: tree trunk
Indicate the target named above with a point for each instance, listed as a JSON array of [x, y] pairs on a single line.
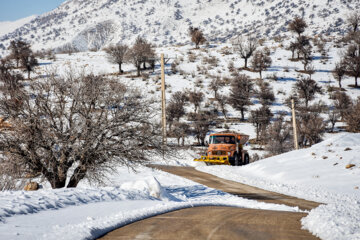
[[246, 59], [202, 141], [28, 74], [58, 183], [224, 113], [260, 75], [339, 83], [78, 175], [138, 70], [54, 179], [120, 71], [356, 84], [242, 115], [257, 132]]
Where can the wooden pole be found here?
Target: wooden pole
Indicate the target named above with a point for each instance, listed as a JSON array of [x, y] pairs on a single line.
[[163, 100], [296, 144]]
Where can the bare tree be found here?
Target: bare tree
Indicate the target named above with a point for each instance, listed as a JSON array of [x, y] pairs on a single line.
[[201, 122], [181, 131], [5, 65], [310, 70], [216, 84], [354, 21], [307, 58], [87, 123], [245, 47], [196, 98], [116, 54], [339, 72], [140, 53], [306, 88], [28, 61], [261, 61], [17, 49], [333, 117], [311, 126], [22, 53], [222, 101], [10, 81], [292, 47], [175, 108], [240, 92], [265, 93], [352, 118], [352, 61], [278, 136], [260, 118], [197, 36], [298, 25], [342, 103]]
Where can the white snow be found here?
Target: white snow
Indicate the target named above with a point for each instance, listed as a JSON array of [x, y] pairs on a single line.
[[89, 212], [318, 173]]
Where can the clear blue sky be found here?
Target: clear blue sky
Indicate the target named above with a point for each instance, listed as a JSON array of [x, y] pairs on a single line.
[[11, 10]]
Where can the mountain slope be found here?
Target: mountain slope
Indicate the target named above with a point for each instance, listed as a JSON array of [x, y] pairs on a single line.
[[8, 27], [94, 24]]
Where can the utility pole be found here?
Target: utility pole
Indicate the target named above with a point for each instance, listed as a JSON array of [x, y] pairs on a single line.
[[163, 100], [296, 144]]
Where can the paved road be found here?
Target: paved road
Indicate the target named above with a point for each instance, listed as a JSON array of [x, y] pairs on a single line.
[[221, 222]]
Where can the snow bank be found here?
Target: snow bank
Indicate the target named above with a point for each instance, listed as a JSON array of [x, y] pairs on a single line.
[[335, 221], [319, 174], [22, 202], [151, 186]]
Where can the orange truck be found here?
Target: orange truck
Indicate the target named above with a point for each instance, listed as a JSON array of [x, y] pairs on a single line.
[[226, 148]]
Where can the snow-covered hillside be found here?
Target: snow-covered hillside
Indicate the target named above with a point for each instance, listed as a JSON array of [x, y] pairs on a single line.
[[93, 24], [8, 27]]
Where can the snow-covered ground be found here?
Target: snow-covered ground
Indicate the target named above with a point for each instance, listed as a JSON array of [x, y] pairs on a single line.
[[318, 173], [87, 212]]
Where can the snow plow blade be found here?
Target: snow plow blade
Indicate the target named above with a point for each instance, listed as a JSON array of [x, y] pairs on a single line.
[[214, 159]]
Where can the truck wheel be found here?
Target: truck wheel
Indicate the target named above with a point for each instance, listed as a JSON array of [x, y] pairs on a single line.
[[237, 160], [246, 159]]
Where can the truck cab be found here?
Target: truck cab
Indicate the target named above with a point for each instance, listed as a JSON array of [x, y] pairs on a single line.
[[226, 148]]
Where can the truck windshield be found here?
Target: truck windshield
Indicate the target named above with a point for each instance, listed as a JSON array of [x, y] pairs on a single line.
[[222, 139]]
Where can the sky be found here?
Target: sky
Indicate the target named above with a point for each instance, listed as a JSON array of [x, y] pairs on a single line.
[[11, 10]]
